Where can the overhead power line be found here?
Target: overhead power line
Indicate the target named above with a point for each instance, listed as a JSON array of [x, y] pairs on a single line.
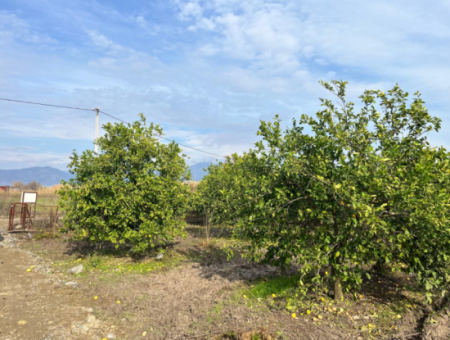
[[51, 105], [109, 115], [170, 140]]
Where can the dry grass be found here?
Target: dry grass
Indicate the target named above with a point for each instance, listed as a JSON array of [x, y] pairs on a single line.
[[192, 185], [46, 196]]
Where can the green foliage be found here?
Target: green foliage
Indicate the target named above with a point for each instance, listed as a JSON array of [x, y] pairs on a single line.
[[354, 189], [132, 192]]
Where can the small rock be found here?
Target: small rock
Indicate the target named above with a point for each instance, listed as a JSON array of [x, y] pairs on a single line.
[[117, 270], [72, 284], [110, 336], [76, 270], [92, 322], [159, 256], [89, 310], [355, 317], [30, 236]]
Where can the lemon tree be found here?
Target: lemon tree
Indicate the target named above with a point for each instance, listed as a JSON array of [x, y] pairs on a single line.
[[131, 192], [345, 189]]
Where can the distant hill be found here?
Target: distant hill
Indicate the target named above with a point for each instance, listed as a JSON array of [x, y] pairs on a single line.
[[197, 170], [49, 176], [45, 175]]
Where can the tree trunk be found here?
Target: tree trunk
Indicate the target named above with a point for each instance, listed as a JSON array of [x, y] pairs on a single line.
[[338, 295]]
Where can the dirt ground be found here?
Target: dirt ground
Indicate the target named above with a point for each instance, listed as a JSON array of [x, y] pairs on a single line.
[[192, 299], [35, 303]]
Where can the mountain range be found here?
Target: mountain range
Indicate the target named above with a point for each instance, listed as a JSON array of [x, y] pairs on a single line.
[[49, 176]]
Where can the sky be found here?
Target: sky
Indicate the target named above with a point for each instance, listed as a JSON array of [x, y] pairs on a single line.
[[206, 71]]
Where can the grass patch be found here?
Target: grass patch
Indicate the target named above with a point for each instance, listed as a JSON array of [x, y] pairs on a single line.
[[278, 286], [378, 310], [111, 263]]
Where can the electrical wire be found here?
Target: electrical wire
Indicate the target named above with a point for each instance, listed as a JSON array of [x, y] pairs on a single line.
[[51, 105], [109, 115], [170, 140]]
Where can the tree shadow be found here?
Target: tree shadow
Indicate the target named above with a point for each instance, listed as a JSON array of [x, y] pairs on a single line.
[[214, 260], [81, 249]]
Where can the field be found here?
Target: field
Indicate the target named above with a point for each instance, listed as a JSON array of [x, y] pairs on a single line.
[[196, 291], [46, 196]]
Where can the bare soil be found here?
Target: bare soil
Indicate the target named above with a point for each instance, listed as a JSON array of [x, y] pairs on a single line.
[[36, 304], [194, 299]]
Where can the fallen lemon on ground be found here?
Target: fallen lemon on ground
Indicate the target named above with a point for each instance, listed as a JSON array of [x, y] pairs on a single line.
[[308, 312], [118, 302], [273, 295], [28, 270], [22, 322], [294, 315], [95, 297], [399, 316], [245, 296], [144, 333], [31, 267]]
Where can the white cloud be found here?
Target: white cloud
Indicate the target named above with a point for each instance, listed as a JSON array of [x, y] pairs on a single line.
[[14, 28]]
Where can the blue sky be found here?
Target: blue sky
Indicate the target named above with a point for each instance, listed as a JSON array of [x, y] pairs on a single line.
[[207, 71]]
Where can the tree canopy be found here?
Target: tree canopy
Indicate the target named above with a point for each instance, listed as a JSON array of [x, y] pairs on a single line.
[[353, 189], [131, 192]]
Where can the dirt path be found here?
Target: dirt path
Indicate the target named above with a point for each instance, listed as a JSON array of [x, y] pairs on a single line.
[[36, 304]]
